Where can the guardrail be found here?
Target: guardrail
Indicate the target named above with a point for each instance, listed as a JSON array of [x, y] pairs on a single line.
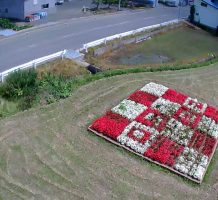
[[121, 35], [33, 63]]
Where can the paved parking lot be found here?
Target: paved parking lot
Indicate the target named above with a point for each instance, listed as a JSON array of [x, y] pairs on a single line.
[[68, 10], [73, 9]]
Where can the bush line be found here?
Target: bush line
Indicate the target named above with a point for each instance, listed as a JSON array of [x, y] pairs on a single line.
[[26, 90], [76, 82]]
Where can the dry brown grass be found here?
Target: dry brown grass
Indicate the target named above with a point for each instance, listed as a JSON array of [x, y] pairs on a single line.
[[65, 67]]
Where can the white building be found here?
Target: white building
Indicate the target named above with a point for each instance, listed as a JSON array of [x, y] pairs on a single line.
[[206, 13]]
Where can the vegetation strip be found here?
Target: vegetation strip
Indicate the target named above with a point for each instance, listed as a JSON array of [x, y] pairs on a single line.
[[25, 90]]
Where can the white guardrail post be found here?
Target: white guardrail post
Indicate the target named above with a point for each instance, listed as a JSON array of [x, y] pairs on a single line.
[[33, 63]]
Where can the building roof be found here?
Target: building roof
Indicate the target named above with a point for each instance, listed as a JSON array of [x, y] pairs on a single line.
[[213, 4]]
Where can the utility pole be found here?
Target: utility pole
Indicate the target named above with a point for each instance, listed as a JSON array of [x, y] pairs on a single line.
[[179, 12]]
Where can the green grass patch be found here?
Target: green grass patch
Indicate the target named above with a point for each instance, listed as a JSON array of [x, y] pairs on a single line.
[[16, 148], [3, 163], [7, 107], [211, 167]]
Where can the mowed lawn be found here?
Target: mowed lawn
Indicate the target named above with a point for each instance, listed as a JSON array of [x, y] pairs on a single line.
[[180, 45], [47, 153]]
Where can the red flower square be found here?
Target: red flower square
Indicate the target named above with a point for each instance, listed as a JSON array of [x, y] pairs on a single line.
[[175, 96], [153, 118], [202, 142], [164, 150], [212, 113], [188, 118], [142, 98], [111, 124], [209, 146], [197, 140], [139, 135]]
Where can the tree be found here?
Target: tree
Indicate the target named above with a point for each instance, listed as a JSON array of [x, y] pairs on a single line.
[[109, 2], [97, 3]]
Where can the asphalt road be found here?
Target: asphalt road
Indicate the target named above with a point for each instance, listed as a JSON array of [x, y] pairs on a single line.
[[71, 34]]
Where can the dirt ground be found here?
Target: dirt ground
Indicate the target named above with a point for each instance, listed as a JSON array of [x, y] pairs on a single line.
[[47, 153]]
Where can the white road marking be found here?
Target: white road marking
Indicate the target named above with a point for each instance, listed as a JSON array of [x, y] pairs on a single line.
[[108, 26], [94, 29], [32, 45]]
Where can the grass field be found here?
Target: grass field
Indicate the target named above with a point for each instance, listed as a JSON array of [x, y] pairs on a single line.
[[7, 107], [47, 153], [181, 45]]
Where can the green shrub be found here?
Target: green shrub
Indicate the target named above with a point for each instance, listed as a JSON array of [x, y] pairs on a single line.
[[19, 28], [55, 87], [26, 102], [20, 84], [6, 23]]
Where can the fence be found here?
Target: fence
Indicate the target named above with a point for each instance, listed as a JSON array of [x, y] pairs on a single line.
[[33, 63], [121, 35]]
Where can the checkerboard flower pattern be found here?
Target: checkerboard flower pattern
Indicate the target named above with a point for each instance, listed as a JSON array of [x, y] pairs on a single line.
[[164, 126]]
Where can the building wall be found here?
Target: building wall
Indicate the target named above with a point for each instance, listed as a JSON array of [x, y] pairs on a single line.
[[207, 16], [32, 6], [19, 9], [12, 9]]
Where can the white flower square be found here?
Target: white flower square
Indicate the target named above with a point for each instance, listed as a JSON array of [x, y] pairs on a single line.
[[195, 105], [129, 109], [138, 134], [209, 126], [155, 89], [192, 163], [165, 106], [178, 132]]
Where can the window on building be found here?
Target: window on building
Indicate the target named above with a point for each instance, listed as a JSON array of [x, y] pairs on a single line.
[[6, 10], [203, 4], [45, 5]]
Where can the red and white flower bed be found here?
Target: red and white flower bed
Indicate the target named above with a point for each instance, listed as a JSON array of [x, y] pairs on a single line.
[[164, 126]]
